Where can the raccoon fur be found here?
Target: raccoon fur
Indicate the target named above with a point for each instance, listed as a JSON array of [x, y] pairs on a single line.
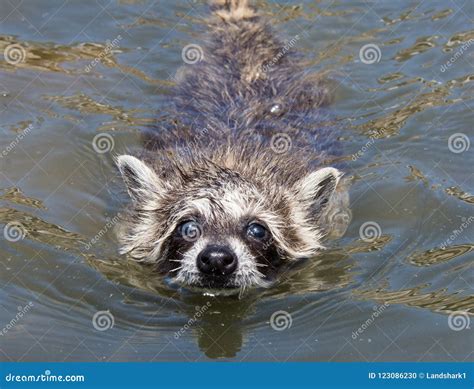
[[235, 186]]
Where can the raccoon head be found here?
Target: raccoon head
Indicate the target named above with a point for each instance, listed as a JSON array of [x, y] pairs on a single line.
[[213, 227]]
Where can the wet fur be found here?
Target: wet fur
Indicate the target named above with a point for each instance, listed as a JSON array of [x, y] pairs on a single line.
[[214, 161]]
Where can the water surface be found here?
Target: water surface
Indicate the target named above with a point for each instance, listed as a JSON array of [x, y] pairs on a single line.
[[397, 286]]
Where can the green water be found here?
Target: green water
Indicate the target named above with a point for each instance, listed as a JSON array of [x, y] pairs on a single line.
[[89, 68]]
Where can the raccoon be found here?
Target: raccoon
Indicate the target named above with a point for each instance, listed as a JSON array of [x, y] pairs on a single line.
[[235, 186]]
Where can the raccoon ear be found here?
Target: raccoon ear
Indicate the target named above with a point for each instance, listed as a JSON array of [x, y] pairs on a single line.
[[141, 181], [315, 190]]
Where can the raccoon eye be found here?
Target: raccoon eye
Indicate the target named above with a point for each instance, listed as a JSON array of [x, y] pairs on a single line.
[[257, 231], [190, 230]]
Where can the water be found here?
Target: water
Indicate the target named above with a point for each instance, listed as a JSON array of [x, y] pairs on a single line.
[[402, 293]]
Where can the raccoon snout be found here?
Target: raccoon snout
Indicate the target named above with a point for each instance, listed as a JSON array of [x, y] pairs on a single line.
[[217, 261]]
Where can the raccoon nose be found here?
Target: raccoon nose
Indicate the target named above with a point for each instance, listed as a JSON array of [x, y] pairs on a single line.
[[217, 261]]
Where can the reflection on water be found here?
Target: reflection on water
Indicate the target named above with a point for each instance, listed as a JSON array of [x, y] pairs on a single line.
[[461, 195], [60, 196], [434, 256], [438, 300]]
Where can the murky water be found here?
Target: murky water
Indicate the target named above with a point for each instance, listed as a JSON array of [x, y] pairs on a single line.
[[397, 286]]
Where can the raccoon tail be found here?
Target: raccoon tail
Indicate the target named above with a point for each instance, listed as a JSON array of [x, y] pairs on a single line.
[[233, 10]]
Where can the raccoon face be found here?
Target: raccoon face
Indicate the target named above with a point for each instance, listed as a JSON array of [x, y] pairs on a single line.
[[215, 228]]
